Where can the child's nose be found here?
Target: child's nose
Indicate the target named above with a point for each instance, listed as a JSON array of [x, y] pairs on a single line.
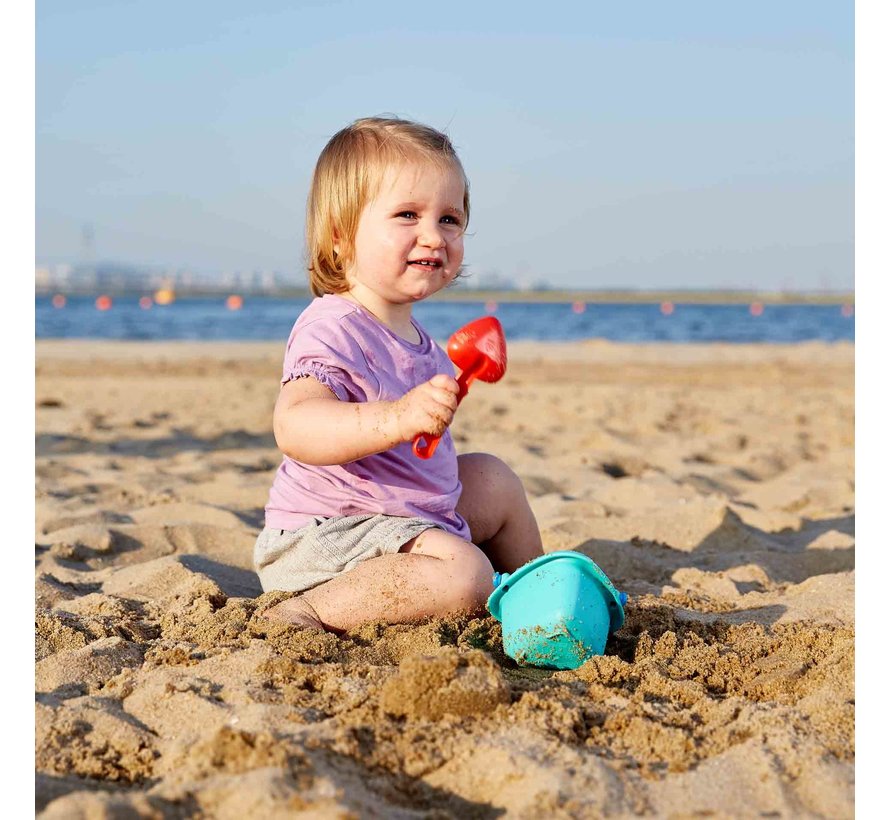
[[431, 235]]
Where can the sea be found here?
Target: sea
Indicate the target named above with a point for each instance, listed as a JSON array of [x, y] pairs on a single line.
[[267, 318]]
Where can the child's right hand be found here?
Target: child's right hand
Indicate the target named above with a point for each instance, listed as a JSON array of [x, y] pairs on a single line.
[[427, 409]]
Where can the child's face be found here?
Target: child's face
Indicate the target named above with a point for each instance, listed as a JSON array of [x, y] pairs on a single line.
[[410, 239]]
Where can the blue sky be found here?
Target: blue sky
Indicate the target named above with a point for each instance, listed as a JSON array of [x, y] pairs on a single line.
[[641, 144]]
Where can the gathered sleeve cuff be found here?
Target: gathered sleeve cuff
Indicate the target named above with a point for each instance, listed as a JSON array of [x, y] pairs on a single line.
[[330, 377], [328, 352]]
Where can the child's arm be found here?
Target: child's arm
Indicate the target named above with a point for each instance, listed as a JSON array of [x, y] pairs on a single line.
[[313, 426]]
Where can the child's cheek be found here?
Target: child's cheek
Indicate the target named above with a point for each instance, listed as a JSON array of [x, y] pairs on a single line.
[[456, 254], [392, 243]]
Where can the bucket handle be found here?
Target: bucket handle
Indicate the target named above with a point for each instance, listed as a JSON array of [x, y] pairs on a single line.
[[500, 578]]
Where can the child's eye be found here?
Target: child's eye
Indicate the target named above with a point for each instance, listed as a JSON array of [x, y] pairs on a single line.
[[451, 220], [407, 215]]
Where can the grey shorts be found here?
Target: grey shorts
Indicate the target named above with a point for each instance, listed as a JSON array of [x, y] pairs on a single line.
[[297, 560]]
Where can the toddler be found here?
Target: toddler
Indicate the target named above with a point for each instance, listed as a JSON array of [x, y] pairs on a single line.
[[356, 524]]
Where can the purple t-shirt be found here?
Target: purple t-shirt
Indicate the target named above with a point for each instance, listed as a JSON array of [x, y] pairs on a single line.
[[349, 351]]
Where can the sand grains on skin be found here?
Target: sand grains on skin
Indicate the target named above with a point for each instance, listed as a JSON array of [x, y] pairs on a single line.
[[712, 483]]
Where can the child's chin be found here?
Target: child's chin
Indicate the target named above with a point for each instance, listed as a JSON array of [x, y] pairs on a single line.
[[419, 293]]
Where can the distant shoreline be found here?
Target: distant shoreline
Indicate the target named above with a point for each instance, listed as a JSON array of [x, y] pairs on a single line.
[[713, 297], [677, 297]]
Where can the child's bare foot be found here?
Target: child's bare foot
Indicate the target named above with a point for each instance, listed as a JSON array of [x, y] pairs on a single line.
[[295, 611]]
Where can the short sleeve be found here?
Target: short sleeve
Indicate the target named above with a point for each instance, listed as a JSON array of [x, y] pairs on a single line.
[[325, 350]]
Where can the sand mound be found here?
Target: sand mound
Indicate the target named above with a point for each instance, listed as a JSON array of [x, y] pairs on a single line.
[[86, 668], [451, 683]]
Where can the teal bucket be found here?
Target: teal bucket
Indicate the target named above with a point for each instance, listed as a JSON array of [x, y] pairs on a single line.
[[557, 610]]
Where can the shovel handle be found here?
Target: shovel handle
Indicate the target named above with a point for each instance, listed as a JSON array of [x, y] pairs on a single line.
[[425, 446]]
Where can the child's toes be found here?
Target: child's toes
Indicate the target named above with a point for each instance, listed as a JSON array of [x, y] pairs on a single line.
[[295, 611]]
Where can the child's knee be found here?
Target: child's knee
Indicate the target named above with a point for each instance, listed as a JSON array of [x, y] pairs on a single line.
[[465, 575], [492, 494], [483, 470], [474, 580]]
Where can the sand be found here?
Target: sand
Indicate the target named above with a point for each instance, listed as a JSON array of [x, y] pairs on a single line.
[[712, 483]]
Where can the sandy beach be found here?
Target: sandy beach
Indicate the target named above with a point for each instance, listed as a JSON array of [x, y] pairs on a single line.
[[712, 483]]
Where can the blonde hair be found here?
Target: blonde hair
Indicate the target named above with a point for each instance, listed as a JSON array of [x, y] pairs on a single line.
[[347, 176]]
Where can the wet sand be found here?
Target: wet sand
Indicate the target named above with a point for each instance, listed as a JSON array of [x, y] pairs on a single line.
[[712, 483]]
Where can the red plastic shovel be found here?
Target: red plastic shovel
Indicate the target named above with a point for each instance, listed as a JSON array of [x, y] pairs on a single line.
[[479, 349]]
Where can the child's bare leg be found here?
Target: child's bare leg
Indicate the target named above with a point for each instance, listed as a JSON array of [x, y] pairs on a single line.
[[494, 503], [435, 574]]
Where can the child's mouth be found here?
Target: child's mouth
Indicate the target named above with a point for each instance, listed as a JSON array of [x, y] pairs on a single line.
[[426, 263]]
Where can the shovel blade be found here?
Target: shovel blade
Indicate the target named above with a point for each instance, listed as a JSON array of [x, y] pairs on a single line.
[[480, 347]]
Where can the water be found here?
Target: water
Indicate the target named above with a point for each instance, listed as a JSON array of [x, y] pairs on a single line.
[[272, 319]]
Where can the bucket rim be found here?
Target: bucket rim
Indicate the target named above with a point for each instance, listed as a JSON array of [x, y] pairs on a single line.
[[588, 565]]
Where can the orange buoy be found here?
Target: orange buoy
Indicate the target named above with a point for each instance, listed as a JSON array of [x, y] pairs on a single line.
[[234, 302], [756, 308], [846, 311], [667, 308], [103, 302], [165, 296], [145, 302], [579, 307], [491, 306], [59, 300]]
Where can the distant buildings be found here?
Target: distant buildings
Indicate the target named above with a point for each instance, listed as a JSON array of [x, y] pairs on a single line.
[[118, 278], [485, 280]]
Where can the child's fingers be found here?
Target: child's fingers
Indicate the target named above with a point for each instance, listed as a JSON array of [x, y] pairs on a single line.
[[445, 398], [444, 382], [444, 390], [438, 410], [438, 403], [445, 402], [429, 407]]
